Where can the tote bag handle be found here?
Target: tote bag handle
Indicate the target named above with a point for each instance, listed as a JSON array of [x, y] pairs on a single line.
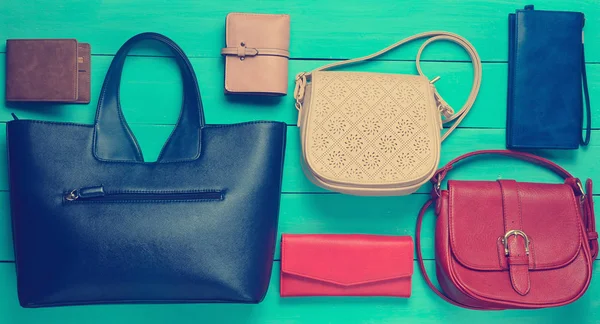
[[113, 139]]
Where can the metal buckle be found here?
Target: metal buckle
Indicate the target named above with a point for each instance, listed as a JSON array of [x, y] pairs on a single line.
[[515, 233], [580, 185], [299, 89], [438, 186]]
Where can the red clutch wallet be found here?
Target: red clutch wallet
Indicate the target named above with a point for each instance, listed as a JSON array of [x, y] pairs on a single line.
[[346, 265]]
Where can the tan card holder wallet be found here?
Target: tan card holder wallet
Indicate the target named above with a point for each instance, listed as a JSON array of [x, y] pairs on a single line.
[[48, 70], [257, 53]]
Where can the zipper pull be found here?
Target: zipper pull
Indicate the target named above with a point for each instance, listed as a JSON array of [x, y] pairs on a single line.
[[86, 192]]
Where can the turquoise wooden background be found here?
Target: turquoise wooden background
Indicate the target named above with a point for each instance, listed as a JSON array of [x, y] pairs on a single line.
[[322, 31]]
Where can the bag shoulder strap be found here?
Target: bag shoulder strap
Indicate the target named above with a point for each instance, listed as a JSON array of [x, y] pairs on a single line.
[[442, 105], [588, 214]]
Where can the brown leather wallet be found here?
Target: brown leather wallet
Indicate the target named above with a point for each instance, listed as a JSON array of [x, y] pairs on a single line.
[[48, 70], [257, 53]]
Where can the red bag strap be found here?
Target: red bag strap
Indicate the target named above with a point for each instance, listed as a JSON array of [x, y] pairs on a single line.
[[588, 214], [590, 221], [441, 173]]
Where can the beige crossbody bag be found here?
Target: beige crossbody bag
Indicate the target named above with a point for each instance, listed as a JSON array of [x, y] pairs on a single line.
[[376, 134]]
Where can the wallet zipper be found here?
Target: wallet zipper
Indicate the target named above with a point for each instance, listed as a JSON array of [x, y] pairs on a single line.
[[97, 193]]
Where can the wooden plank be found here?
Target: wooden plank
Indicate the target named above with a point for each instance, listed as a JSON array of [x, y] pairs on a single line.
[[320, 29], [318, 213], [422, 307], [6, 244], [151, 95], [151, 92], [582, 163]]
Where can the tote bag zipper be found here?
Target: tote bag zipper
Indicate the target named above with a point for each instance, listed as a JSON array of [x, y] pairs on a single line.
[[98, 193]]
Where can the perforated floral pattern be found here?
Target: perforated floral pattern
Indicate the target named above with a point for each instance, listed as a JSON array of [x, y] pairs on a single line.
[[418, 112], [336, 125], [354, 173], [371, 160], [404, 127], [388, 173], [321, 141], [405, 161], [387, 109], [370, 91], [354, 108], [336, 91], [421, 144], [388, 143], [371, 128], [336, 159], [354, 142], [325, 105], [405, 94]]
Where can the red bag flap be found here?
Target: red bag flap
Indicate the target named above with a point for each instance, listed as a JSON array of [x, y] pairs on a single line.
[[550, 217], [347, 259]]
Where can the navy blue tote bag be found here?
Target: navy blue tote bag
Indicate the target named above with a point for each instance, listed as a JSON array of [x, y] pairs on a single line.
[[93, 223]]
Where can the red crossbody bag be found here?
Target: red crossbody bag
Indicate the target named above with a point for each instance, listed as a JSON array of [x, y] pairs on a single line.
[[506, 244]]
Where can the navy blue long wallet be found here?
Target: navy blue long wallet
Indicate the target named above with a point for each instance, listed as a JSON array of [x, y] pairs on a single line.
[[546, 78]]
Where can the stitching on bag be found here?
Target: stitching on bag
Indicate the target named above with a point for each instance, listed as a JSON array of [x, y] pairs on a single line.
[[245, 123], [520, 207], [532, 257], [532, 250], [247, 301], [503, 206], [255, 14], [138, 151], [283, 258], [76, 76], [227, 45], [30, 121], [500, 251], [109, 74], [206, 126]]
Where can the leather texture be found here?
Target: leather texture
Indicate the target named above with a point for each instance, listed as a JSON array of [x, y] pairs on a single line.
[[256, 53], [94, 223], [534, 248], [546, 66], [84, 73], [374, 133], [48, 70], [346, 265]]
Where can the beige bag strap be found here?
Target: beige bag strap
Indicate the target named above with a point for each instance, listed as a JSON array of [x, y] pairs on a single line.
[[442, 105]]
